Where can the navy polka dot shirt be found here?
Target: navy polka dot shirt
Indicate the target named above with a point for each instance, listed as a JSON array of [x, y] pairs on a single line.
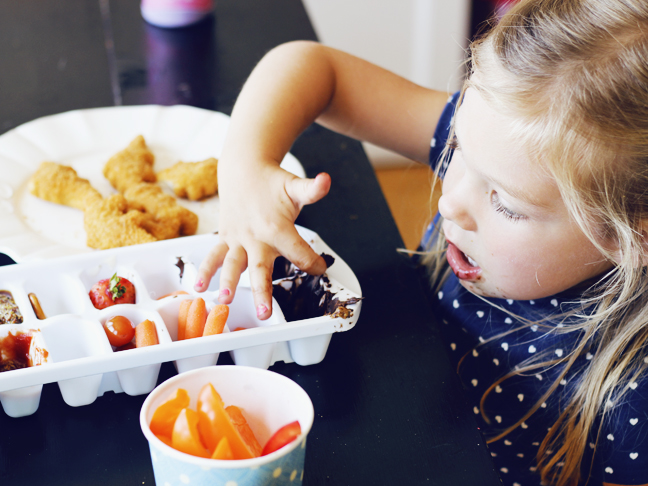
[[486, 342]]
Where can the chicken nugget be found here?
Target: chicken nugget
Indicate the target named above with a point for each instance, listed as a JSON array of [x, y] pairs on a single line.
[[169, 219], [110, 223], [132, 165], [60, 184], [192, 180]]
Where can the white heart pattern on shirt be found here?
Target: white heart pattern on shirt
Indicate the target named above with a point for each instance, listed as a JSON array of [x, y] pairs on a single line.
[[532, 349], [480, 313], [520, 397], [633, 421], [633, 385], [505, 346], [634, 455], [609, 470], [498, 389], [559, 352], [455, 304]]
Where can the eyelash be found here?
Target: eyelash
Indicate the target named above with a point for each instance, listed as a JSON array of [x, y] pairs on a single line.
[[453, 144], [499, 208]]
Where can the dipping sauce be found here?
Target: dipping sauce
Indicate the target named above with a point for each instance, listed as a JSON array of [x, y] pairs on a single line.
[[14, 351]]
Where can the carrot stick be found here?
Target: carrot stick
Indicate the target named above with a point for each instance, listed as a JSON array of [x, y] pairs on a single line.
[[216, 320], [175, 292], [182, 318], [145, 334], [196, 319]]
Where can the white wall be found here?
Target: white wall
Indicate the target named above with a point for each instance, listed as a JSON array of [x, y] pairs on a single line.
[[421, 40]]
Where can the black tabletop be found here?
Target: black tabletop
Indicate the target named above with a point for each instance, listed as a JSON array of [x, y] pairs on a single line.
[[389, 408]]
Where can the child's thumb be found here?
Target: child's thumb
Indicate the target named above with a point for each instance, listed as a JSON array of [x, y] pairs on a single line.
[[308, 191]]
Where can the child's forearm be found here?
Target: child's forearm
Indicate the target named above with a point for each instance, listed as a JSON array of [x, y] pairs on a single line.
[[285, 93], [301, 82]]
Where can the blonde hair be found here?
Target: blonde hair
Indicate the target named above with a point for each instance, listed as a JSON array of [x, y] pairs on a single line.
[[573, 73]]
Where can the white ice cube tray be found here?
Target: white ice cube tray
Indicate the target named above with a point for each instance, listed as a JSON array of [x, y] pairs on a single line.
[[82, 361]]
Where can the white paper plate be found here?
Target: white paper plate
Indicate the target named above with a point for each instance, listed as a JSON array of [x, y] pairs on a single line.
[[31, 228]]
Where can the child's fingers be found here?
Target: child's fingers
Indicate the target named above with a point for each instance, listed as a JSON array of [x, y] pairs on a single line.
[[308, 191], [234, 265], [260, 266], [292, 246], [210, 265]]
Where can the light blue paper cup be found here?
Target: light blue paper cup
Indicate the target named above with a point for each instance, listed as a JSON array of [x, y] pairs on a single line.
[[268, 401]]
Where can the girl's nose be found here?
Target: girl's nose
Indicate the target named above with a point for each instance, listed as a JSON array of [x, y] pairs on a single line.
[[454, 207]]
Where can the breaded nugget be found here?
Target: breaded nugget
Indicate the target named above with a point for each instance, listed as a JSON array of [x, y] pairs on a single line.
[[132, 165], [60, 184], [192, 180], [170, 220], [110, 223]]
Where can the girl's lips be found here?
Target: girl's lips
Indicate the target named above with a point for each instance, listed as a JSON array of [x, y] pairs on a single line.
[[460, 265]]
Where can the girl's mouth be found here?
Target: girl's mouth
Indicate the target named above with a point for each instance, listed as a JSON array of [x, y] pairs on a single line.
[[462, 265]]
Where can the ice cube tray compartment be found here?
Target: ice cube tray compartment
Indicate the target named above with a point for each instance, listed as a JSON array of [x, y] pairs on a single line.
[[85, 365]]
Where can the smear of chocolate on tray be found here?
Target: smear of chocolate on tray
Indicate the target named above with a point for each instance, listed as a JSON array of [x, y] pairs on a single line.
[[180, 264], [9, 311], [302, 296]]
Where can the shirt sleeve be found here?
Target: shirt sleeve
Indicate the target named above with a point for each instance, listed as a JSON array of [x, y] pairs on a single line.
[[442, 133]]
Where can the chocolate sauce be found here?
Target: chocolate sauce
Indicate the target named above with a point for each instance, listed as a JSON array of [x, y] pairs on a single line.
[[302, 296], [180, 264]]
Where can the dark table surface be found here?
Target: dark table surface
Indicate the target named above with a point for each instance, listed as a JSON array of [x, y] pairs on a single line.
[[389, 408]]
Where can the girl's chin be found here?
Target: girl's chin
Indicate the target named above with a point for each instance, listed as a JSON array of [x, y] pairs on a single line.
[[480, 288]]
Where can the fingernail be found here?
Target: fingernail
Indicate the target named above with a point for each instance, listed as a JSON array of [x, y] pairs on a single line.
[[261, 309], [224, 293], [199, 284]]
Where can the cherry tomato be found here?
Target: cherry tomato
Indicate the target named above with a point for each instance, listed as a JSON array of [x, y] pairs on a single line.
[[284, 436], [119, 330]]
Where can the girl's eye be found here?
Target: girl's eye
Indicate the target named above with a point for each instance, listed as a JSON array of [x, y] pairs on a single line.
[[508, 214]]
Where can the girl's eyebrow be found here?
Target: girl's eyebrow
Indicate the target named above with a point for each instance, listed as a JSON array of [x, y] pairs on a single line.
[[514, 192]]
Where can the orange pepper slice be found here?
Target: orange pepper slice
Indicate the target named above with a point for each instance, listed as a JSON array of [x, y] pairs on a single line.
[[223, 450], [214, 423], [237, 418], [185, 437], [166, 414]]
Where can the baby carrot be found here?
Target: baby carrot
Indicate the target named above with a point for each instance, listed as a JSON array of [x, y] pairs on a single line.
[[216, 320], [145, 334], [174, 293], [182, 318], [196, 319]]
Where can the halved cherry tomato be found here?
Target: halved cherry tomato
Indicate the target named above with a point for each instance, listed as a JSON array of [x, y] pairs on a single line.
[[119, 330], [284, 436], [185, 437]]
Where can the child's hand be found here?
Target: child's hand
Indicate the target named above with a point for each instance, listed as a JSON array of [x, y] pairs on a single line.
[[258, 209]]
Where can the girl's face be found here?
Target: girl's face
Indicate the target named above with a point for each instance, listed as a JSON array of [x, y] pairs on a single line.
[[509, 233]]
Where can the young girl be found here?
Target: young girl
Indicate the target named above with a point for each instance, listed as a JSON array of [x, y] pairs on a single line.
[[538, 256]]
